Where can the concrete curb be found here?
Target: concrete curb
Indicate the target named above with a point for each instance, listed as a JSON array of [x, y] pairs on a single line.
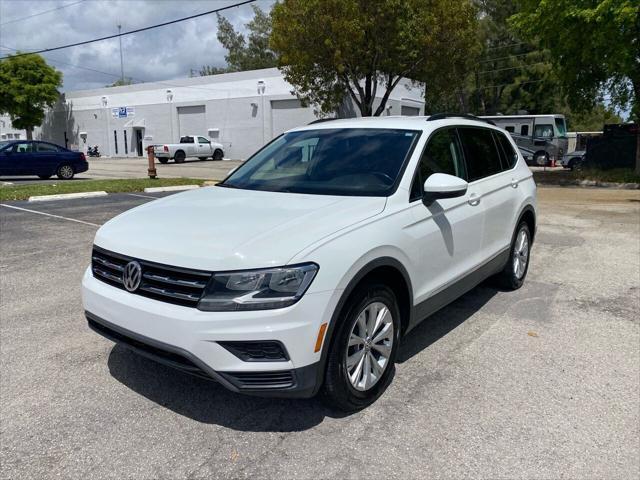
[[589, 184], [66, 196], [175, 188]]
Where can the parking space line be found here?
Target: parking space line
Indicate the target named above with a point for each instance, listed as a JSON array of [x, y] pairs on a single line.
[[49, 215], [142, 196]]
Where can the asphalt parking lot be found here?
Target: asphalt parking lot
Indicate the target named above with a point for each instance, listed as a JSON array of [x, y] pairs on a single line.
[[539, 383]]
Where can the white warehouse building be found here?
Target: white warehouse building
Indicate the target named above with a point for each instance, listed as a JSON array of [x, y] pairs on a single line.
[[241, 110]]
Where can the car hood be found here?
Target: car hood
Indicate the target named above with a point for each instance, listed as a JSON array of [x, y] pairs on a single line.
[[217, 228]]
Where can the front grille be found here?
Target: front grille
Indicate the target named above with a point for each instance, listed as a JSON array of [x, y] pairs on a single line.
[[257, 351], [261, 380], [179, 286]]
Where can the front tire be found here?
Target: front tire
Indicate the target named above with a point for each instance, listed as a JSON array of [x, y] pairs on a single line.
[[515, 271], [218, 154], [361, 361], [65, 172]]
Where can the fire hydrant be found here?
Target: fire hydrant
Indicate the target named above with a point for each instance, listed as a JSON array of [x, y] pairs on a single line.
[[152, 166]]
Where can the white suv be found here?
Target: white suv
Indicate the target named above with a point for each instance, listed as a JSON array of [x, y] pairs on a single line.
[[303, 269]]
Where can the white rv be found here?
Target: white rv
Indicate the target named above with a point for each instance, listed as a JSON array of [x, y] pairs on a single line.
[[545, 135]]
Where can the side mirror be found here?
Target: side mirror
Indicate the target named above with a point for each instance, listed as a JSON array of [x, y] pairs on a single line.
[[441, 185]]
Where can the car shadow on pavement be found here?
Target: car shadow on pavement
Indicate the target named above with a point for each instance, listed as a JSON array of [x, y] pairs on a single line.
[[444, 321], [209, 402]]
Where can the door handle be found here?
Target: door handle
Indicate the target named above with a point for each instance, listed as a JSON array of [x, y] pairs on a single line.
[[514, 183], [474, 200]]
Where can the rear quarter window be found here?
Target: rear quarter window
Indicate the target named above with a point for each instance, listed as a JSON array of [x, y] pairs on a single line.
[[482, 157], [509, 155]]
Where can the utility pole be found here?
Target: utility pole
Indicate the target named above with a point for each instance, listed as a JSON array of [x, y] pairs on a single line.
[[121, 61]]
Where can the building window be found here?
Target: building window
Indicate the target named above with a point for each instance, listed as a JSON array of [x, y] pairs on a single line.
[[126, 148], [115, 140]]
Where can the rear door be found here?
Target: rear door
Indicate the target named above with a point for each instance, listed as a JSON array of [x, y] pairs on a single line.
[[46, 158], [493, 184]]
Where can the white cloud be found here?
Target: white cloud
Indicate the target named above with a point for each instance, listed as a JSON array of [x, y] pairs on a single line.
[[158, 54]]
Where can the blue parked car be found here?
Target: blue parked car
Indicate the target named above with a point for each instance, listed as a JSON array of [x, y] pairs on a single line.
[[44, 159]]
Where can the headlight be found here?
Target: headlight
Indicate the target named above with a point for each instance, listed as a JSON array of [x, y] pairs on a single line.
[[257, 289]]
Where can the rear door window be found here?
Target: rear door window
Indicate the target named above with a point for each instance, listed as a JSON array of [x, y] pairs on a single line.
[[482, 157], [47, 147]]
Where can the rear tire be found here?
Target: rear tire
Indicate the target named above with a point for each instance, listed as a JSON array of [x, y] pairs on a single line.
[[515, 271], [65, 172], [179, 157], [163, 160], [354, 346], [218, 154]]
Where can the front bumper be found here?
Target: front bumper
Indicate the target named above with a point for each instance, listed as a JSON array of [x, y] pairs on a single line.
[[186, 338]]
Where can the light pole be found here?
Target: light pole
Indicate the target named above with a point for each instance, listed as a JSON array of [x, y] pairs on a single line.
[[169, 100], [105, 103], [261, 89], [121, 61]]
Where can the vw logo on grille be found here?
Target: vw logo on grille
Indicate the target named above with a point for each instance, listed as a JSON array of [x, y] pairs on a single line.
[[132, 276]]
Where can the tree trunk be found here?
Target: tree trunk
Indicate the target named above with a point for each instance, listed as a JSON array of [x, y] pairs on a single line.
[[29, 133], [635, 116], [638, 148]]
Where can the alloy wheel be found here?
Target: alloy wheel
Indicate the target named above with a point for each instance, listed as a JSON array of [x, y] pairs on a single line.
[[66, 171], [370, 346], [520, 254]]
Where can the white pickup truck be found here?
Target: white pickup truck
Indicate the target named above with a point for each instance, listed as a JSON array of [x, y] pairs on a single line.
[[189, 146]]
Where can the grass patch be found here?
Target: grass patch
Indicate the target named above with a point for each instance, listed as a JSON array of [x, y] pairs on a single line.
[[23, 192], [615, 175]]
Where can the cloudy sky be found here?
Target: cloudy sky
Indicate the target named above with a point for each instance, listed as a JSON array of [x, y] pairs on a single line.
[[159, 54]]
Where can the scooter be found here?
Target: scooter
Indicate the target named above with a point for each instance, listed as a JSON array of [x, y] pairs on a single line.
[[93, 151]]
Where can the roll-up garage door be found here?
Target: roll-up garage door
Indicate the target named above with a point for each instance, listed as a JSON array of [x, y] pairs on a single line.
[[192, 121], [409, 111], [287, 114]]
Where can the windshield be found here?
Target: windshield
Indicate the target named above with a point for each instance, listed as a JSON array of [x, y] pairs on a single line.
[[561, 127], [345, 161]]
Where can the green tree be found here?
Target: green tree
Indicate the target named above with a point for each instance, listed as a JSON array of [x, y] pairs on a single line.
[[27, 86], [250, 53], [591, 120], [333, 49], [594, 45]]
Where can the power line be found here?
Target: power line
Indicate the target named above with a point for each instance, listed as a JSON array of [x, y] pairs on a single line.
[[138, 30], [139, 80], [506, 46], [513, 68], [41, 13], [508, 56], [506, 84]]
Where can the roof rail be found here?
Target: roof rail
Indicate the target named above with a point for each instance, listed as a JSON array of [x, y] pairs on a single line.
[[441, 116], [322, 120]]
